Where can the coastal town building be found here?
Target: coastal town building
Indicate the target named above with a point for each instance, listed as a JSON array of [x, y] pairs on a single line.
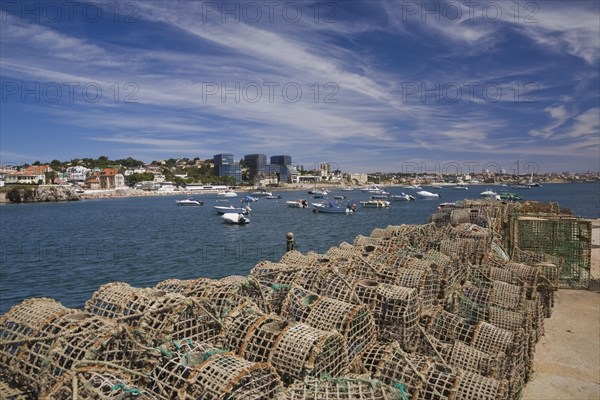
[[226, 166], [279, 170], [111, 179], [33, 174]]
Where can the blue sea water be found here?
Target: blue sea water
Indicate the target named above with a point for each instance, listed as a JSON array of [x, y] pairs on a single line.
[[66, 251]]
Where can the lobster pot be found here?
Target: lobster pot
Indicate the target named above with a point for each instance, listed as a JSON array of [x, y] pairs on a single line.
[[341, 389], [297, 259], [419, 275], [447, 269], [547, 285], [332, 284], [472, 304], [301, 350], [467, 358], [91, 339], [92, 382], [441, 383], [509, 320], [527, 274], [175, 285], [390, 364], [21, 323], [395, 310], [163, 316], [238, 325], [353, 321], [227, 376], [118, 300], [261, 338], [503, 275], [33, 355], [472, 386], [535, 311], [397, 314], [269, 273], [493, 340], [439, 219], [449, 327], [505, 295], [460, 216], [310, 277]]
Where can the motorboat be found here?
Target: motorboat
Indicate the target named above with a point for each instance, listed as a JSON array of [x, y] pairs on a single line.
[[460, 187], [340, 197], [227, 193], [189, 202], [347, 189], [521, 187], [236, 218], [273, 197], [232, 209], [436, 187], [424, 194], [262, 192], [375, 203], [334, 208], [371, 189], [379, 196], [249, 199], [296, 204], [414, 187], [489, 193], [402, 197]]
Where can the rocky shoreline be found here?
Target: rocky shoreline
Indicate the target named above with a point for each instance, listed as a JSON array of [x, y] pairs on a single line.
[[38, 194]]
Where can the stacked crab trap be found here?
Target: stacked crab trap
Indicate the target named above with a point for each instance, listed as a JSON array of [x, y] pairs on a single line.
[[452, 309]]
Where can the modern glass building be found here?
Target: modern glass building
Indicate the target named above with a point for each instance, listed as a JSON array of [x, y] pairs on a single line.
[[281, 160], [256, 164], [226, 166]]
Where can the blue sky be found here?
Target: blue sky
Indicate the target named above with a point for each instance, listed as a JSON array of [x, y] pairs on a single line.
[[367, 85]]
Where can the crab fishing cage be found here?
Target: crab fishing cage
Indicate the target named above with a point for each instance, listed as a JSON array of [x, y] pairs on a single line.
[[343, 389], [96, 382], [163, 316]]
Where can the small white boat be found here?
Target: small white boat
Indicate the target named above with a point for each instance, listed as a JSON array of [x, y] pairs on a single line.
[[262, 192], [249, 199], [436, 187], [189, 202], [521, 187], [402, 197], [296, 204], [424, 194], [333, 208], [235, 218], [347, 189], [414, 187], [339, 197], [273, 197], [227, 193], [375, 203], [459, 187], [489, 193], [232, 209], [371, 189]]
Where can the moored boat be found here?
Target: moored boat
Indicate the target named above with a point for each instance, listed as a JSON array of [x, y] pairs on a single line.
[[235, 218], [334, 208], [227, 193], [189, 202], [489, 193], [296, 204], [402, 197], [375, 203], [232, 209], [424, 194]]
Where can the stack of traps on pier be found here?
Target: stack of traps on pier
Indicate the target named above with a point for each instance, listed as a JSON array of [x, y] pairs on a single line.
[[448, 310]]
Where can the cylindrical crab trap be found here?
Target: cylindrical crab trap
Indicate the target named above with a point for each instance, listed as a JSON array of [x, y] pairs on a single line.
[[96, 382], [353, 321], [163, 316], [343, 389]]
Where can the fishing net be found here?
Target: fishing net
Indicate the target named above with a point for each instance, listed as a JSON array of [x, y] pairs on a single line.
[[449, 327], [468, 358]]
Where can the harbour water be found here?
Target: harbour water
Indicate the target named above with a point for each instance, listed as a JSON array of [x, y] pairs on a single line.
[[67, 250]]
